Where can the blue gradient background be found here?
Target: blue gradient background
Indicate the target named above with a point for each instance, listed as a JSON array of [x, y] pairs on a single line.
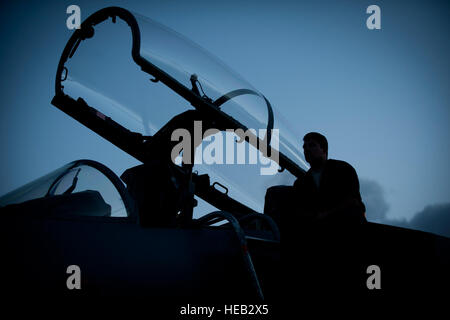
[[380, 96]]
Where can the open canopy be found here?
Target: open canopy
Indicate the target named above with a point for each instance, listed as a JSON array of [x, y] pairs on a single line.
[[117, 74]]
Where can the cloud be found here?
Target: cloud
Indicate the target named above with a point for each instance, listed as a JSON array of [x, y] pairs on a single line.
[[433, 218], [373, 197]]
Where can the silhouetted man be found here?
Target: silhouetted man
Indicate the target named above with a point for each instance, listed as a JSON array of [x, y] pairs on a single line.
[[329, 191]]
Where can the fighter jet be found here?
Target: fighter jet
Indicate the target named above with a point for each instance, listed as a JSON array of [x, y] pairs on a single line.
[[136, 83]]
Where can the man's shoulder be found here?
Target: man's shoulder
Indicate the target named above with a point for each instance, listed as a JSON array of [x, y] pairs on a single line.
[[339, 165], [335, 162]]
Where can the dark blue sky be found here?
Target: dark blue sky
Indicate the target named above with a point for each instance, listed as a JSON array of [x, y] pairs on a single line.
[[381, 97]]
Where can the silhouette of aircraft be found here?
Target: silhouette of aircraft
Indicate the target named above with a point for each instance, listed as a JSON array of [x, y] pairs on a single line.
[[82, 213]]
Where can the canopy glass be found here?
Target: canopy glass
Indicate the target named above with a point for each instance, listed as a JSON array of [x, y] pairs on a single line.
[[105, 70]]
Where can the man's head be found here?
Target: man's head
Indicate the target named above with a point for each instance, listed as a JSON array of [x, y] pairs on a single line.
[[315, 148]]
